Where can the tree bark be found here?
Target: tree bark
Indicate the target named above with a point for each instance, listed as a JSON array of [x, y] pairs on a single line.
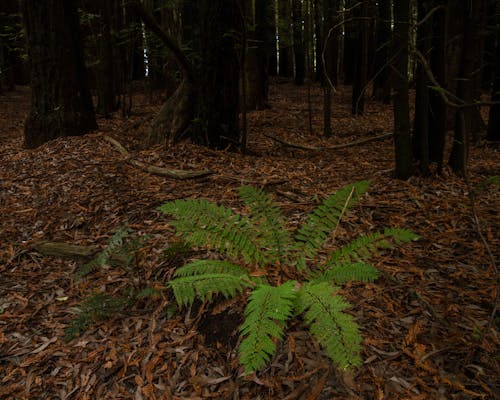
[[204, 107], [285, 39], [493, 132], [471, 15], [402, 139], [257, 56], [381, 81], [298, 43], [61, 101]]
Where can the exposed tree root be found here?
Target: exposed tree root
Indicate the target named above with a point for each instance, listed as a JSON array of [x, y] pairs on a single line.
[[321, 148], [171, 173]]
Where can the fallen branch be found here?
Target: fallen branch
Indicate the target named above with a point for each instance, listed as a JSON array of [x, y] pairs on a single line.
[[64, 250], [71, 251], [172, 173], [320, 148]]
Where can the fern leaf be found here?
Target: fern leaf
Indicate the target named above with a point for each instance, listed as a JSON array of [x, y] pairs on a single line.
[[362, 248], [203, 223], [205, 286], [322, 221], [114, 244], [267, 311], [334, 329], [269, 221], [202, 267], [342, 273]]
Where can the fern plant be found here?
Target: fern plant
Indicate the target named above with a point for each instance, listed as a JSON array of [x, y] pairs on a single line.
[[261, 239]]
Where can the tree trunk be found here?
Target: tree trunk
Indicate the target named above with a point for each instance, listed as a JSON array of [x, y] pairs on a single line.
[[104, 46], [272, 53], [381, 80], [205, 105], [318, 33], [285, 39], [298, 43], [493, 132], [330, 61], [257, 56], [361, 58], [465, 91], [437, 107], [421, 122], [61, 101], [402, 139]]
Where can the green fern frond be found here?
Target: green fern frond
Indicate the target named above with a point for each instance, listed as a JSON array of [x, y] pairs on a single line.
[[114, 244], [324, 219], [269, 221], [362, 248], [203, 223], [335, 330], [342, 273], [205, 286], [267, 311], [202, 267]]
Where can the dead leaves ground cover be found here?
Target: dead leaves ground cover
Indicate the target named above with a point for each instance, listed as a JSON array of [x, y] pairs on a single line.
[[425, 322]]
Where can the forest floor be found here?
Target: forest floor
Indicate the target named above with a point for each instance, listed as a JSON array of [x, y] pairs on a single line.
[[427, 324]]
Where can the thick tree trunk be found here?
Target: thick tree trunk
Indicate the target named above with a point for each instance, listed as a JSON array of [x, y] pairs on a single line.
[[402, 139], [205, 105], [61, 101]]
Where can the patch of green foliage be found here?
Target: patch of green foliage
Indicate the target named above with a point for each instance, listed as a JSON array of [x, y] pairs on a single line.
[[262, 239]]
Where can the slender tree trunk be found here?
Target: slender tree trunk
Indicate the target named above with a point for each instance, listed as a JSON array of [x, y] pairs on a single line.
[[330, 60], [285, 39], [465, 90], [437, 107], [494, 114], [61, 101], [257, 56], [381, 81], [318, 33], [400, 83], [272, 54], [421, 121], [298, 43], [361, 59]]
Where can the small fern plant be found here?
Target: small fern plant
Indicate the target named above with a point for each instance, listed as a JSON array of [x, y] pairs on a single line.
[[261, 239]]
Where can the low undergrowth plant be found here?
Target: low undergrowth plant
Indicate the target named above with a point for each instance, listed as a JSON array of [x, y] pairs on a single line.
[[248, 244]]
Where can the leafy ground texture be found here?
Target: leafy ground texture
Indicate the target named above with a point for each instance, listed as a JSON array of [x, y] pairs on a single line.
[[428, 325]]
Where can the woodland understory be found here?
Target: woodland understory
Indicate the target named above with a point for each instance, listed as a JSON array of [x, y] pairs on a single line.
[[427, 323]]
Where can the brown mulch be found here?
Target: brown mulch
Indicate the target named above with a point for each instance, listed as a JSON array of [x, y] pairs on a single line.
[[427, 322]]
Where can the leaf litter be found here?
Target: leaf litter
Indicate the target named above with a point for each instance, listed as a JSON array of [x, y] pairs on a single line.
[[427, 322]]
